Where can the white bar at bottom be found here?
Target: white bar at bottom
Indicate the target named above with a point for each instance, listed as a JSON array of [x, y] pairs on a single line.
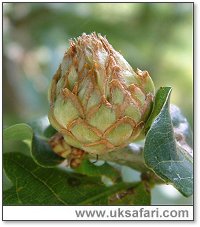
[[99, 213]]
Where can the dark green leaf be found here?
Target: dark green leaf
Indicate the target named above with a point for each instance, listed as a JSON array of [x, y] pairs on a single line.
[[142, 195], [10, 197], [35, 185], [49, 131], [41, 150], [7, 184], [90, 169], [160, 99], [165, 156], [42, 153]]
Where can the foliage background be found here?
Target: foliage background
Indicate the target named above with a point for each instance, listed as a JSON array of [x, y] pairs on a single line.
[[156, 37]]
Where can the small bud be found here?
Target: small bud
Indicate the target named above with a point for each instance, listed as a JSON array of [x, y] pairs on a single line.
[[59, 146]]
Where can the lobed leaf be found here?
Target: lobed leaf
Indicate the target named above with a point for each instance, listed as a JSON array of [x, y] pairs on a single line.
[[164, 154], [35, 185]]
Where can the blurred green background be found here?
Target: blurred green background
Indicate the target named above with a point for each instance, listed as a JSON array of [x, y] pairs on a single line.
[[156, 37]]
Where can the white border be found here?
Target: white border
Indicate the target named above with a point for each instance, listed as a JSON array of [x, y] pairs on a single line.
[[197, 113], [119, 213]]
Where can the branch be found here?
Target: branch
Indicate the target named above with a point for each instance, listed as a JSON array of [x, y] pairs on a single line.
[[131, 156]]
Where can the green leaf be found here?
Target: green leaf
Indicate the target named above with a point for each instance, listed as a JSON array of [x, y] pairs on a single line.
[[43, 154], [160, 99], [166, 156], [142, 195], [136, 195], [35, 185], [18, 132], [92, 170], [49, 131], [7, 184], [38, 143], [10, 197]]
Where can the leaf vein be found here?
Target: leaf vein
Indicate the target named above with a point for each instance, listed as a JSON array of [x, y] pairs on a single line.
[[43, 182]]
